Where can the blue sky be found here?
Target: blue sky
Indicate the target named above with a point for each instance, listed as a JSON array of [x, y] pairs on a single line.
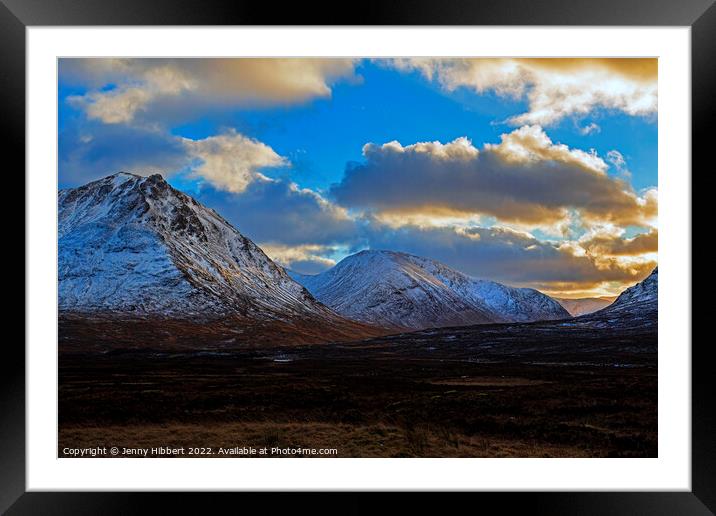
[[558, 159]]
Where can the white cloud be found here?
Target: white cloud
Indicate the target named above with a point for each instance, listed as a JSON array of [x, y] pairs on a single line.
[[553, 88], [591, 128], [617, 159], [231, 161], [228, 161], [530, 144]]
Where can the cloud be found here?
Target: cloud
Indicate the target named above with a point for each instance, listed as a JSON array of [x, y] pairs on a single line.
[[303, 231], [617, 159], [122, 90], [525, 179], [554, 88], [231, 161], [222, 172], [613, 243], [306, 232], [279, 213], [92, 151], [304, 259], [530, 144], [113, 107], [228, 161], [513, 257], [590, 129]]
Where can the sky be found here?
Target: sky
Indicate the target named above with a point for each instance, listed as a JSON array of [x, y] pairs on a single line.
[[536, 173]]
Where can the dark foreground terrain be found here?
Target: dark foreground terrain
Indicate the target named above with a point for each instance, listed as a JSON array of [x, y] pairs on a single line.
[[579, 388]]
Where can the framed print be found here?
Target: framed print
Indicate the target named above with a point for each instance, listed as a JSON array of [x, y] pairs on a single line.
[[413, 250]]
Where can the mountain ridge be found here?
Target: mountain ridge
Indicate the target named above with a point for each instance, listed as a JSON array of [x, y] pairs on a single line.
[[134, 248], [401, 290], [639, 301], [136, 255], [135, 244]]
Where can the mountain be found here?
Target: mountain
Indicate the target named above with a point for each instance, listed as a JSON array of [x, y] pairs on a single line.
[[634, 310], [624, 334], [639, 302], [134, 245], [400, 290], [584, 305]]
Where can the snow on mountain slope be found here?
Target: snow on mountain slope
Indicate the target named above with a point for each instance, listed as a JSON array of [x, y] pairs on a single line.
[[641, 300], [134, 244], [406, 291], [584, 305]]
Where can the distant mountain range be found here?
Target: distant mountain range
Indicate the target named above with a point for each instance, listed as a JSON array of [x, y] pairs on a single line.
[[134, 247], [584, 305], [399, 290]]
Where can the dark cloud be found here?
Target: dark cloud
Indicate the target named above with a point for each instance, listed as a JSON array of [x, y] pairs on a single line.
[[277, 211], [525, 179], [91, 151], [505, 255]]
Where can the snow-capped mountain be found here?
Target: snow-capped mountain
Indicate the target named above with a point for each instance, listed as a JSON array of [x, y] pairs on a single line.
[[639, 301], [132, 244], [584, 305], [405, 291]]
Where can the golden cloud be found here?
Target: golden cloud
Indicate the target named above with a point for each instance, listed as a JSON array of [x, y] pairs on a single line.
[[643, 69], [554, 87], [615, 245], [304, 259], [184, 85], [516, 258], [525, 179]]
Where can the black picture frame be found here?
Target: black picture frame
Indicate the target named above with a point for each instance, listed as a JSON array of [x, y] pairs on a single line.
[[16, 15]]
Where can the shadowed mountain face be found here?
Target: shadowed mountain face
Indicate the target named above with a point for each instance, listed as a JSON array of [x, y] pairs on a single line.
[[637, 305], [132, 246], [622, 335], [404, 291]]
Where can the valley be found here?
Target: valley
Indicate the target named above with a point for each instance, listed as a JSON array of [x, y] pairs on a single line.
[[535, 390], [583, 387], [175, 330]]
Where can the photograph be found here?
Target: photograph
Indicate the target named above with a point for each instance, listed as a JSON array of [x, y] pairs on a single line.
[[407, 257]]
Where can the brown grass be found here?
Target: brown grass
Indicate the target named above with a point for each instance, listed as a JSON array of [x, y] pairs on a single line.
[[523, 391], [350, 440], [499, 381]]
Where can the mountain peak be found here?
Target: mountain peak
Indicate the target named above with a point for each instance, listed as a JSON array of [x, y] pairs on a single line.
[[401, 290], [116, 179], [122, 173], [385, 253], [130, 243], [120, 178]]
